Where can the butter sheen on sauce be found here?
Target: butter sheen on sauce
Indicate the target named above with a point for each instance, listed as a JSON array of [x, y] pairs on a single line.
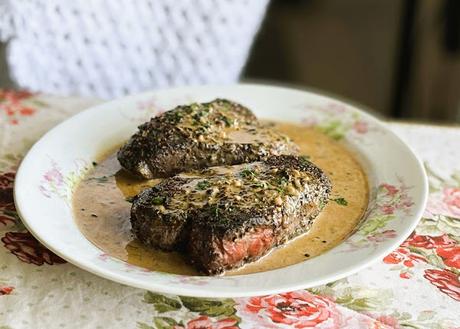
[[102, 211]]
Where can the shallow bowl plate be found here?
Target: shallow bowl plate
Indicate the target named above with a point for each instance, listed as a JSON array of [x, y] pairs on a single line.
[[54, 165]]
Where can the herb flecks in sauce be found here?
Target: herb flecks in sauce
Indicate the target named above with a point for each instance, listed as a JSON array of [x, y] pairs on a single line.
[[340, 201]]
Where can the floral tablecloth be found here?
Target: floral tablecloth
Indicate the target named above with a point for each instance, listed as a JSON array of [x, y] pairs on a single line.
[[416, 286]]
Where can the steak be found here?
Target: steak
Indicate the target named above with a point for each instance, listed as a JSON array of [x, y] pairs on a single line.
[[200, 135], [223, 217]]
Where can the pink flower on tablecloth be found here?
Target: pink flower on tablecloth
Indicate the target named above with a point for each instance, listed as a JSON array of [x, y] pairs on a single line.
[[6, 290], [445, 202], [446, 281], [429, 242], [406, 257], [205, 322], [361, 127], [450, 256], [11, 105], [389, 321], [298, 309], [25, 247], [452, 199], [7, 208]]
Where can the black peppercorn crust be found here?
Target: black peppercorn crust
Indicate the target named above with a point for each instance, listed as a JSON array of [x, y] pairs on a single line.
[[195, 136]]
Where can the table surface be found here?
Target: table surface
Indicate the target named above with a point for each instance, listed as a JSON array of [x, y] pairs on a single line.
[[416, 286]]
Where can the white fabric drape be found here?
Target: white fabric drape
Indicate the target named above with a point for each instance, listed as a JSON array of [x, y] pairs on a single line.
[[108, 48]]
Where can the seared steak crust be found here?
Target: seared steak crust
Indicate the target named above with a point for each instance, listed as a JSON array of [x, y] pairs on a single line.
[[224, 217], [197, 136]]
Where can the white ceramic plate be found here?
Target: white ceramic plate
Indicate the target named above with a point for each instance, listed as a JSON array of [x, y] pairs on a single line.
[[52, 168]]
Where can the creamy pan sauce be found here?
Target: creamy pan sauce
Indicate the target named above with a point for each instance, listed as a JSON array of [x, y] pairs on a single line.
[[102, 210]]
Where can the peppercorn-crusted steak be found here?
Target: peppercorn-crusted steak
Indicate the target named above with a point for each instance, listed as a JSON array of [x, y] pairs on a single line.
[[200, 135], [224, 217]]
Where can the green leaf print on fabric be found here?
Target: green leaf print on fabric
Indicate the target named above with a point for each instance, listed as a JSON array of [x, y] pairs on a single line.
[[356, 298], [162, 303], [164, 322], [224, 307], [435, 260], [194, 312], [141, 325], [439, 225], [375, 303]]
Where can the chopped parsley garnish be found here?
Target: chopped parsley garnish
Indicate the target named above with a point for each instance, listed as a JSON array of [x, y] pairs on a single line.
[[280, 184], [228, 122], [158, 200], [247, 173], [175, 115], [282, 181], [279, 189], [203, 185], [197, 116], [195, 106], [322, 204], [340, 201], [203, 127]]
